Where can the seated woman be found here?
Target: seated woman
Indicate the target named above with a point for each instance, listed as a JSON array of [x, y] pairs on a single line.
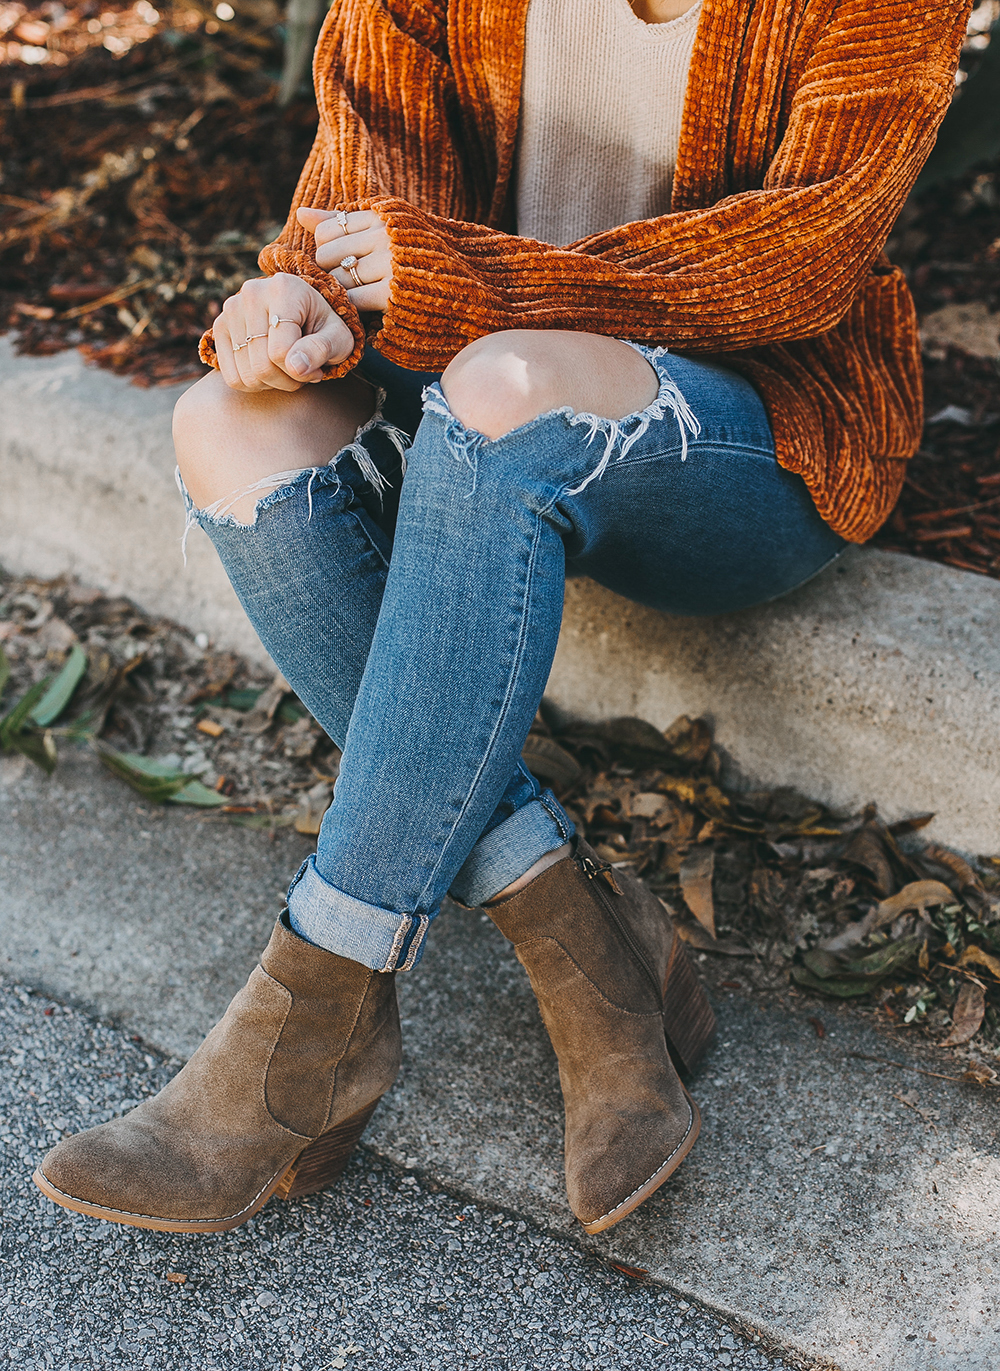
[[567, 287]]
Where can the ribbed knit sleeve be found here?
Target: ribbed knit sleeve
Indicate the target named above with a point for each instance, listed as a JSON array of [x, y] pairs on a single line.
[[782, 262]]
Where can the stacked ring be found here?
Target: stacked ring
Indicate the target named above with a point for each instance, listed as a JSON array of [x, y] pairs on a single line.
[[350, 264], [274, 321], [249, 340]]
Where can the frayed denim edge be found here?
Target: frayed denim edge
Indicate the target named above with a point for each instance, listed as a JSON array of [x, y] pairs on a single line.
[[279, 484], [465, 442]]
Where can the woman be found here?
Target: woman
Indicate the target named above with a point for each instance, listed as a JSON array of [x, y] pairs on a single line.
[[501, 191]]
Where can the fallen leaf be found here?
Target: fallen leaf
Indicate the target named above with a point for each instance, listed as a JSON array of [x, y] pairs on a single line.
[[651, 805], [312, 806], [976, 955], [867, 849], [691, 932], [177, 1277], [967, 1016], [259, 718], [696, 886], [60, 692], [551, 763], [978, 1073], [689, 740], [210, 726], [819, 1026], [918, 896], [964, 875], [843, 988]]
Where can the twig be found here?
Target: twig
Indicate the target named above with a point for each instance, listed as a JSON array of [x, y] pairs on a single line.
[[903, 1100], [864, 1056], [112, 298], [652, 1339]]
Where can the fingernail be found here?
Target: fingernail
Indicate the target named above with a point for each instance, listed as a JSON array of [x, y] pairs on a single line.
[[297, 361]]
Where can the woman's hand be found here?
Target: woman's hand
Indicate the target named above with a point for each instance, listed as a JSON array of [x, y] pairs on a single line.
[[361, 235], [257, 353]]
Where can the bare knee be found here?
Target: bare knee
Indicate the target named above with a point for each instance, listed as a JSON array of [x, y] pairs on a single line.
[[501, 381], [225, 439], [506, 379]]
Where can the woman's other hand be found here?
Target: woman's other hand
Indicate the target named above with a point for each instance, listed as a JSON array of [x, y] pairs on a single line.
[[256, 353], [361, 235]]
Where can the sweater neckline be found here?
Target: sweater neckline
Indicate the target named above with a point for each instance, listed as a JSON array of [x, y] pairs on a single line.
[[658, 33]]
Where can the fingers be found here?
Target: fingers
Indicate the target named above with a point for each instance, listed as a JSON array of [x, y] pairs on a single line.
[[327, 224], [367, 243], [333, 343], [372, 299]]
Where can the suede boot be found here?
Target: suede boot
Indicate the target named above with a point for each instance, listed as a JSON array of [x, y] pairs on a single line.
[[618, 995], [274, 1101]]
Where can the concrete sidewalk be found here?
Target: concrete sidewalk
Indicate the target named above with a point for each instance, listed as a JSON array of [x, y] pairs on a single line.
[[878, 680], [839, 1222]]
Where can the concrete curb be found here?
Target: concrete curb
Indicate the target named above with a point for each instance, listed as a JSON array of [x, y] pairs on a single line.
[[878, 680]]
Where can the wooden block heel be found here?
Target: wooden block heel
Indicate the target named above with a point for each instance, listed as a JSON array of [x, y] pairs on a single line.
[[688, 1018], [323, 1160]]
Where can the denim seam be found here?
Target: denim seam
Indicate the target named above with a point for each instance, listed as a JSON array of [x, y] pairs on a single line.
[[504, 708], [557, 816]]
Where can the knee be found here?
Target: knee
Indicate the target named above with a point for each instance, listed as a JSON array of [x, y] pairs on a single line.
[[199, 414], [502, 381]]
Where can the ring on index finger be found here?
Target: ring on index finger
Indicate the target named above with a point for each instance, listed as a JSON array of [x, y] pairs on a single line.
[[274, 321], [341, 218]]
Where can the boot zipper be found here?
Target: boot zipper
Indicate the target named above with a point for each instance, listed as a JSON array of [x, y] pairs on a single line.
[[592, 870]]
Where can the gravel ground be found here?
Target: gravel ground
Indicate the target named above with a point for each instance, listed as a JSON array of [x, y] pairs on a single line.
[[385, 1270]]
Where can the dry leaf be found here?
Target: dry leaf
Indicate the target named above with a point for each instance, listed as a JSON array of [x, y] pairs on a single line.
[[651, 805], [978, 1073], [312, 806], [551, 763], [176, 1277], [967, 1016], [696, 886], [693, 933], [259, 718], [964, 875], [918, 896], [211, 727], [973, 954], [867, 849]]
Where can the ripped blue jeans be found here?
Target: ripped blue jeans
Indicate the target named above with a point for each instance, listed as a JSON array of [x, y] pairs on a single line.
[[417, 615]]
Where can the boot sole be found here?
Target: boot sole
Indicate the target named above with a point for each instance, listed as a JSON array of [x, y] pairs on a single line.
[[316, 1167], [627, 1206], [688, 1018]]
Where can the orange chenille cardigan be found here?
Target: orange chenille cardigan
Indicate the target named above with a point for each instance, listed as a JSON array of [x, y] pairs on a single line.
[[805, 125]]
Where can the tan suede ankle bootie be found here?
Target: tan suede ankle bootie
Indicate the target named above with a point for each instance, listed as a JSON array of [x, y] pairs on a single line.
[[274, 1101], [618, 997]]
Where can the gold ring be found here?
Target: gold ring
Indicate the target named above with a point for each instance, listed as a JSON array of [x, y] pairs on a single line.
[[350, 264]]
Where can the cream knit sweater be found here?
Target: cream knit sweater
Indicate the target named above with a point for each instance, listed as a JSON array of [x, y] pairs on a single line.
[[601, 104]]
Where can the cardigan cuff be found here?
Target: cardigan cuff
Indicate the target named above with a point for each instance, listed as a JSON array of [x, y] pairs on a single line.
[[275, 258]]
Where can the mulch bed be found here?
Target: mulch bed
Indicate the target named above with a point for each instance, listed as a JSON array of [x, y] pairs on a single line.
[[145, 163], [772, 891]]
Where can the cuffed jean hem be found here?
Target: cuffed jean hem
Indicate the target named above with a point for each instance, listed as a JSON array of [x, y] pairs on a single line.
[[377, 938], [507, 851], [385, 941]]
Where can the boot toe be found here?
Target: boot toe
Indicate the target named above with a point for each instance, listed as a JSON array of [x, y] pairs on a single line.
[[621, 1161]]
